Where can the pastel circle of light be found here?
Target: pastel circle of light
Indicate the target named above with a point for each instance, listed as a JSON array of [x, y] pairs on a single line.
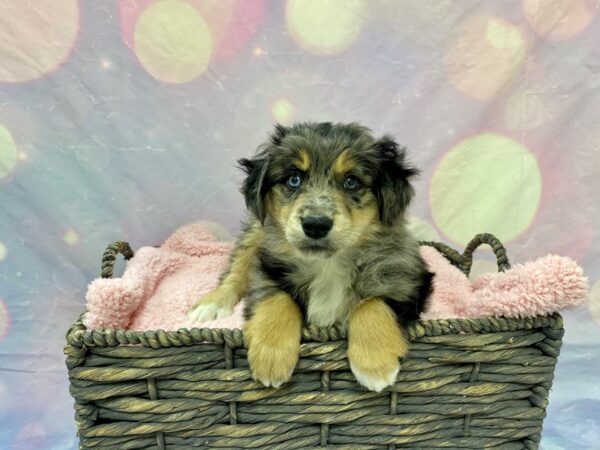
[[557, 20], [484, 55], [3, 251], [594, 303], [4, 320], [8, 153], [71, 238], [283, 111], [231, 23], [486, 183], [325, 26], [172, 41], [35, 37], [421, 229]]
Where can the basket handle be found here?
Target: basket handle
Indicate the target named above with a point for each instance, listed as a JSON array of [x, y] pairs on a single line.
[[492, 241], [464, 261], [110, 255]]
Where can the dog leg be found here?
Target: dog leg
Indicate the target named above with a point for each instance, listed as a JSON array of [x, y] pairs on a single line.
[[234, 283], [375, 342], [273, 335]]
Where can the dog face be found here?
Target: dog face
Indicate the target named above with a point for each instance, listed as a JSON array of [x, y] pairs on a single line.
[[326, 187]]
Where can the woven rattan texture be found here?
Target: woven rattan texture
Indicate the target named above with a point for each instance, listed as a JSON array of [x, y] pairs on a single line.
[[464, 384]]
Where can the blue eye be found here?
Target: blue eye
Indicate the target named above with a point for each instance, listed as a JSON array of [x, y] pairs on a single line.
[[351, 183], [294, 181]]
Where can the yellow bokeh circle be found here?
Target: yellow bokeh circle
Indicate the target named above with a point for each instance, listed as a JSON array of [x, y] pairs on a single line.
[[501, 34], [173, 41], [325, 26], [421, 229], [3, 251], [283, 111], [35, 37], [486, 183], [484, 55], [8, 153], [71, 237]]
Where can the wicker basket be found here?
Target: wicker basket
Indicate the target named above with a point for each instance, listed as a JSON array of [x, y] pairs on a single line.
[[465, 384]]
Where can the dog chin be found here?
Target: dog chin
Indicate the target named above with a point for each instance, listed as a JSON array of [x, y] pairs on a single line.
[[316, 249]]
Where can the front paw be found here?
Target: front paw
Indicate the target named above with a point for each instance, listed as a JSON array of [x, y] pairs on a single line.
[[272, 366], [376, 378], [375, 344], [214, 305], [273, 334]]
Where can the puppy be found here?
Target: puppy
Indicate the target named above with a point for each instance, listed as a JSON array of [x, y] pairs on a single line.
[[326, 244]]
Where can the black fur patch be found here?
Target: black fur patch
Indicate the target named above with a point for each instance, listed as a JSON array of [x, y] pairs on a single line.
[[411, 309], [255, 185], [392, 187], [279, 272], [279, 134]]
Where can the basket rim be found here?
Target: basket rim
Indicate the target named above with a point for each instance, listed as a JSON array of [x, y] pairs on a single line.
[[79, 336]]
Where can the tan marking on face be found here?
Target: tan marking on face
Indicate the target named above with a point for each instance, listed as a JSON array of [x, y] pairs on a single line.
[[343, 164], [356, 225], [282, 213], [273, 204], [303, 163], [375, 342], [352, 225], [279, 208], [273, 337], [366, 219], [289, 211]]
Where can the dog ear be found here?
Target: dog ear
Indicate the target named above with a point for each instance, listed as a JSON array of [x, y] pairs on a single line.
[[254, 187], [393, 189], [279, 134]]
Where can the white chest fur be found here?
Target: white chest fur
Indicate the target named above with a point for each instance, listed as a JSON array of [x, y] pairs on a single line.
[[329, 291]]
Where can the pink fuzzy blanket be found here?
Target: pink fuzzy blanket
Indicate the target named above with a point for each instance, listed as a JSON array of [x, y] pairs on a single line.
[[161, 284]]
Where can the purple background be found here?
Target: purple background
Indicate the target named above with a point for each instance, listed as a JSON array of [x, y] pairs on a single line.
[[123, 120]]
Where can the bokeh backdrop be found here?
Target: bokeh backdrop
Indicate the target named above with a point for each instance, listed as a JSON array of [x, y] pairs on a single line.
[[123, 120]]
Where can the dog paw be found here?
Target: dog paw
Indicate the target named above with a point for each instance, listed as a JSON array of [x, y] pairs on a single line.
[[271, 366], [205, 313], [376, 380], [375, 344], [215, 305]]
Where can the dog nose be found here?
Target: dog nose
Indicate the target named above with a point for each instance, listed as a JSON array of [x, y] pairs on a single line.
[[316, 226]]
